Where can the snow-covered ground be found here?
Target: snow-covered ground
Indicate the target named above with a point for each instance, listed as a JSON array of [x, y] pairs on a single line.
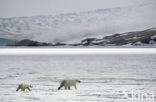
[[104, 78]]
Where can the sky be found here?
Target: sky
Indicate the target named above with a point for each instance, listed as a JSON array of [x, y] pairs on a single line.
[[18, 8]]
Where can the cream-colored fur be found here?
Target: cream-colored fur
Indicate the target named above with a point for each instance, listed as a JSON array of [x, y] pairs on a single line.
[[23, 87], [67, 83]]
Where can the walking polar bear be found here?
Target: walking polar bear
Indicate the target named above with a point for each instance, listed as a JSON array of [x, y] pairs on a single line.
[[67, 83], [23, 87]]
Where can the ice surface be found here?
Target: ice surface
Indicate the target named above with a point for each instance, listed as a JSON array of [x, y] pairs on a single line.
[[103, 77]]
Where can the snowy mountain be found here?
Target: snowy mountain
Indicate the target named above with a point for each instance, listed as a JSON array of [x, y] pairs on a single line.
[[73, 27]]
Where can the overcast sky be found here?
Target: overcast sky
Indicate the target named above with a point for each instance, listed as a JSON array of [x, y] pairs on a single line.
[[17, 8]]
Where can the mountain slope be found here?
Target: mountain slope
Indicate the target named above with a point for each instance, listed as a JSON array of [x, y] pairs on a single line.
[[77, 26], [137, 38], [131, 38]]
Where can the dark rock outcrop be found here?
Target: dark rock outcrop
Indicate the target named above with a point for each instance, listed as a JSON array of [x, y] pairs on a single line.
[[121, 39], [87, 41], [59, 44], [27, 42]]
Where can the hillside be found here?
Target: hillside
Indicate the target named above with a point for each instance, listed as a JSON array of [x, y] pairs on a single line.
[[73, 27]]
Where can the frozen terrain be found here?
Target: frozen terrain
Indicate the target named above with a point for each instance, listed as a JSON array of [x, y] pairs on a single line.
[[73, 27], [104, 77]]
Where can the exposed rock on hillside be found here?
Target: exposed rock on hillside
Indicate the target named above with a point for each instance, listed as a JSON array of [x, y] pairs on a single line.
[[145, 36]]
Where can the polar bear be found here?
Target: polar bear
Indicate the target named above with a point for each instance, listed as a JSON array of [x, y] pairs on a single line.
[[23, 87], [67, 83]]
